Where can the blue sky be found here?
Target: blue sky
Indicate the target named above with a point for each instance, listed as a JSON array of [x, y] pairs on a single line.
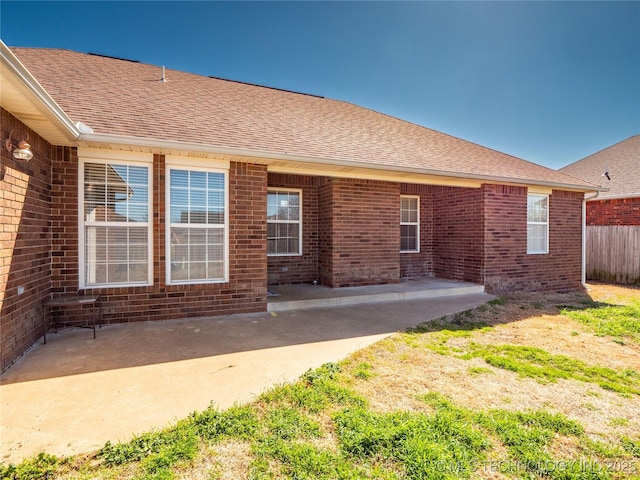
[[550, 82]]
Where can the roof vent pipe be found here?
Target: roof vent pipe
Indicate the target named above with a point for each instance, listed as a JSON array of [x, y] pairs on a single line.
[[163, 79]]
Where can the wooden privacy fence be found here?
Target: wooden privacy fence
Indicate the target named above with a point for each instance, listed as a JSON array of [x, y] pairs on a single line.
[[613, 253]]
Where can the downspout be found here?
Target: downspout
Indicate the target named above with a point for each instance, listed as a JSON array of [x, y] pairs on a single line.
[[583, 268]]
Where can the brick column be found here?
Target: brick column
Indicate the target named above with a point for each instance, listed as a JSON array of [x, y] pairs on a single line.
[[359, 232]]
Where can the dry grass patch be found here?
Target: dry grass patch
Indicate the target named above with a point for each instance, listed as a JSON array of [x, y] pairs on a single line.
[[609, 293], [228, 460], [429, 360]]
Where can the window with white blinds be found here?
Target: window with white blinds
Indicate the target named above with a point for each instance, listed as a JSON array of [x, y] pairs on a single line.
[[115, 245]]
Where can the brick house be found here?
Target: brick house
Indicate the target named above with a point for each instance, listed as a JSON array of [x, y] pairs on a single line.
[[176, 195], [613, 216], [620, 205]]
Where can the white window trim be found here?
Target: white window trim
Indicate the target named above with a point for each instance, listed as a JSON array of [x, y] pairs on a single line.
[[183, 163], [300, 225], [545, 251], [417, 223], [89, 155]]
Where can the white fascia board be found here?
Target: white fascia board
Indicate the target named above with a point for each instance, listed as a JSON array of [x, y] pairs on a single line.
[[168, 145], [613, 197], [37, 92]]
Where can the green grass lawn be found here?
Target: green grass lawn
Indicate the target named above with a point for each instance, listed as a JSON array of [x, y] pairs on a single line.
[[328, 425], [619, 321]]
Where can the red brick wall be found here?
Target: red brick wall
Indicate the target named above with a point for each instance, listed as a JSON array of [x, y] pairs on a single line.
[[25, 260], [318, 203], [507, 266], [420, 264], [64, 222], [623, 211], [246, 289], [458, 233], [362, 234], [325, 231], [247, 239], [302, 268]]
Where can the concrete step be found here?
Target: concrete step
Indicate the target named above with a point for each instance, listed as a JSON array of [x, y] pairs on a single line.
[[301, 297]]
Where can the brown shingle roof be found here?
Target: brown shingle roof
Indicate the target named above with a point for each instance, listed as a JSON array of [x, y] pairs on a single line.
[[120, 97], [622, 161]]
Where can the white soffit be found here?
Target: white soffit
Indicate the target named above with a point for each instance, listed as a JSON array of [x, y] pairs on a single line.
[[22, 96], [369, 174], [535, 190]]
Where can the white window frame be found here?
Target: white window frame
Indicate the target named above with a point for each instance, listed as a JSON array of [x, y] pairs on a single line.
[[545, 223], [416, 223], [112, 157], [299, 222], [182, 163]]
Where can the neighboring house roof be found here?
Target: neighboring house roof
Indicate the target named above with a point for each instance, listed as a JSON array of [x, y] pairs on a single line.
[[621, 161], [121, 97]]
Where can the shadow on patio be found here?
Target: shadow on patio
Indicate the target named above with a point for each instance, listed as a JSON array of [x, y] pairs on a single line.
[[295, 317]]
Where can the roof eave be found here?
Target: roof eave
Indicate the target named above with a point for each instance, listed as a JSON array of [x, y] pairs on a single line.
[[162, 145], [43, 104], [613, 197]]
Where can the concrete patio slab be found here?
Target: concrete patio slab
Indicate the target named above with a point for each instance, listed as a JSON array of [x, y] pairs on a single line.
[[75, 393]]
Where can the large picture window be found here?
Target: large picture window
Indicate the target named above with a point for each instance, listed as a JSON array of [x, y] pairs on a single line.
[[115, 245], [409, 224], [537, 224], [197, 232], [284, 224]]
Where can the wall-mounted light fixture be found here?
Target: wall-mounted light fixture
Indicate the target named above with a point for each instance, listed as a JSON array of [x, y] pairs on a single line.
[[20, 150]]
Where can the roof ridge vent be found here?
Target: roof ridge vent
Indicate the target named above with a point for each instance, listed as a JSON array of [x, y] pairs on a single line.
[[112, 57]]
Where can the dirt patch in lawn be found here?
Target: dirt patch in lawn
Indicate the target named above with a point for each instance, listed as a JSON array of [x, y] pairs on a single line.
[[408, 365]]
